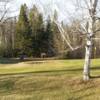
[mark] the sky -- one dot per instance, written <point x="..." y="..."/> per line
<point x="19" y="2"/>
<point x="63" y="8"/>
<point x="16" y="4"/>
<point x="66" y="8"/>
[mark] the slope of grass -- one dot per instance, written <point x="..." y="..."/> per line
<point x="48" y="80"/>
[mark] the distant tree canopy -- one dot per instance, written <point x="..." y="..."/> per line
<point x="23" y="32"/>
<point x="35" y="36"/>
<point x="32" y="35"/>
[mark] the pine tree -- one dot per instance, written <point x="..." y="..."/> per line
<point x="37" y="27"/>
<point x="23" y="32"/>
<point x="49" y="38"/>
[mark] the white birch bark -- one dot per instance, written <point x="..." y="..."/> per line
<point x="91" y="21"/>
<point x="87" y="64"/>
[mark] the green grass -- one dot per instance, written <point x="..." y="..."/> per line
<point x="48" y="80"/>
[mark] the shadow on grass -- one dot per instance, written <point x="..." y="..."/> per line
<point x="51" y="71"/>
<point x="13" y="60"/>
<point x="84" y="96"/>
<point x="9" y="61"/>
<point x="44" y="72"/>
<point x="17" y="60"/>
<point x="95" y="68"/>
<point x="94" y="77"/>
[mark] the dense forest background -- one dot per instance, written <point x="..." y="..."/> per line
<point x="30" y="35"/>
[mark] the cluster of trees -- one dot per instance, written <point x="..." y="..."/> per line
<point x="29" y="34"/>
<point x="35" y="36"/>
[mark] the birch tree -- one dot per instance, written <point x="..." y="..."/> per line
<point x="90" y="18"/>
<point x="91" y="15"/>
<point x="88" y="9"/>
<point x="90" y="30"/>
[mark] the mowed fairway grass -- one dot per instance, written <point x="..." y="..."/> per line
<point x="48" y="80"/>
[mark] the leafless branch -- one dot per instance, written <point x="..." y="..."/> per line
<point x="62" y="32"/>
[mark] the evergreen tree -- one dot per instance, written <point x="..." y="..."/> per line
<point x="49" y="38"/>
<point x="37" y="27"/>
<point x="23" y="32"/>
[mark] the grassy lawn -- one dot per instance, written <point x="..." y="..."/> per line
<point x="48" y="80"/>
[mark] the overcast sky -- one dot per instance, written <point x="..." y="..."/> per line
<point x="65" y="8"/>
<point x="61" y="6"/>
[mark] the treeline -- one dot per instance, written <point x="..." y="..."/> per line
<point x="32" y="36"/>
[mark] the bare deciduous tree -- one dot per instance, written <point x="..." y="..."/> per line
<point x="5" y="18"/>
<point x="90" y="18"/>
<point x="88" y="10"/>
<point x="91" y="5"/>
<point x="89" y="28"/>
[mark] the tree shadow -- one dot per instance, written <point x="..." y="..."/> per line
<point x="83" y="96"/>
<point x="12" y="60"/>
<point x="44" y="72"/>
<point x="95" y="68"/>
<point x="55" y="71"/>
<point x="95" y="76"/>
<point x="18" y="60"/>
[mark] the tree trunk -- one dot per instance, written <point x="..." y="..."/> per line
<point x="90" y="34"/>
<point x="87" y="64"/>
